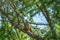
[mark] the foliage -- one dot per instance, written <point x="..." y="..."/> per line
<point x="14" y="12"/>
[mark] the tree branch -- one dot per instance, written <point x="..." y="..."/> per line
<point x="23" y="30"/>
<point x="46" y="14"/>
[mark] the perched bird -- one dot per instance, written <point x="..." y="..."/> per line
<point x="28" y="26"/>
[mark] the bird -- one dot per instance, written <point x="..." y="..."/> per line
<point x="28" y="26"/>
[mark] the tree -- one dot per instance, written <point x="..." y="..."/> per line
<point x="13" y="14"/>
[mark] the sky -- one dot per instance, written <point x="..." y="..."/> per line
<point x="40" y="18"/>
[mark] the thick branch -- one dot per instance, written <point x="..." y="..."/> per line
<point x="46" y="14"/>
